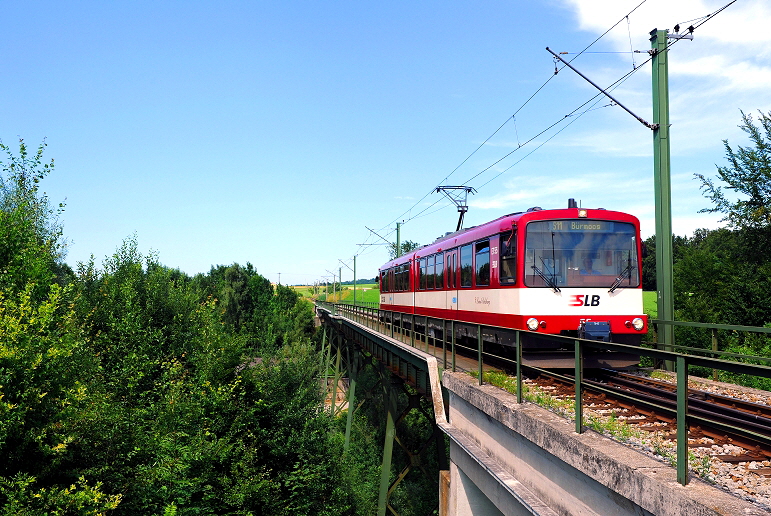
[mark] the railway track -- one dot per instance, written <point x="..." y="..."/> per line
<point x="650" y="405"/>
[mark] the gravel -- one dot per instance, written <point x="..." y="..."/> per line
<point x="750" y="481"/>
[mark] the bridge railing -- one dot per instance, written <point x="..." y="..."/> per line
<point x="715" y="339"/>
<point x="406" y="328"/>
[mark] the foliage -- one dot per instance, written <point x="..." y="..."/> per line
<point x="724" y="276"/>
<point x="755" y="345"/>
<point x="649" y="261"/>
<point x="417" y="494"/>
<point x="20" y="194"/>
<point x="190" y="418"/>
<point x="405" y="247"/>
<point x="31" y="244"/>
<point x="132" y="388"/>
<point x="22" y="499"/>
<point x="748" y="175"/>
<point x="267" y="315"/>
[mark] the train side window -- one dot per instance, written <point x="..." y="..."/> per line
<point x="508" y="257"/>
<point x="454" y="269"/>
<point x="404" y="283"/>
<point x="431" y="275"/>
<point x="450" y="279"/>
<point x="482" y="252"/>
<point x="440" y="270"/>
<point x="466" y="265"/>
<point x="423" y="274"/>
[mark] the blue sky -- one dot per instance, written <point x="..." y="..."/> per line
<point x="277" y="132"/>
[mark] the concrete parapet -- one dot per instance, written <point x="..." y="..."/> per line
<point x="570" y="473"/>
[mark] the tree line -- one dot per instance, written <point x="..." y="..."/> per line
<point x="723" y="275"/>
<point x="130" y="387"/>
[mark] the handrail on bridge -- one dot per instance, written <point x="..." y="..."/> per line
<point x="393" y="324"/>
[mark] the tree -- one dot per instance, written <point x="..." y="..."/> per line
<point x="406" y="247"/>
<point x="748" y="174"/>
<point x="44" y="360"/>
<point x="20" y="190"/>
<point x="31" y="244"/>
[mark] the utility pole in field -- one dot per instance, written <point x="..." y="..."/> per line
<point x="354" y="276"/>
<point x="398" y="239"/>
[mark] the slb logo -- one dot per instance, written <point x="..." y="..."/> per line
<point x="584" y="300"/>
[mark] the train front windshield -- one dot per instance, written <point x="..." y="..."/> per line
<point x="581" y="253"/>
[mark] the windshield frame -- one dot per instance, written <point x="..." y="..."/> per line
<point x="570" y="253"/>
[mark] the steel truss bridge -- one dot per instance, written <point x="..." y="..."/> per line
<point x="356" y="337"/>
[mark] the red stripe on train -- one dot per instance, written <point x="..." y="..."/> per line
<point x="554" y="323"/>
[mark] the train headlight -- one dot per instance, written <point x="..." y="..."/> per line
<point x="638" y="323"/>
<point x="532" y="324"/>
<point x="582" y="213"/>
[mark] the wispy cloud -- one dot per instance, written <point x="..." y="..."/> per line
<point x="727" y="67"/>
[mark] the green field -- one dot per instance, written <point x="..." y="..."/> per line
<point x="366" y="292"/>
<point x="649" y="304"/>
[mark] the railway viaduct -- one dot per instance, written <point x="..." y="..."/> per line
<point x="506" y="457"/>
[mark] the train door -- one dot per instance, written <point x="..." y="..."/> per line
<point x="451" y="279"/>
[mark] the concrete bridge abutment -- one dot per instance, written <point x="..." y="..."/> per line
<point x="517" y="459"/>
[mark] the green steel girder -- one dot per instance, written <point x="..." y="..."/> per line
<point x="405" y="366"/>
<point x="408" y="364"/>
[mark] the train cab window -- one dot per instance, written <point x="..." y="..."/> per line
<point x="439" y="271"/>
<point x="482" y="262"/>
<point x="466" y="265"/>
<point x="508" y="257"/>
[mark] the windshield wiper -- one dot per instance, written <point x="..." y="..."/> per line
<point x="625" y="273"/>
<point x="549" y="281"/>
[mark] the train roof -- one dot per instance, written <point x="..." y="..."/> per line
<point x="505" y="222"/>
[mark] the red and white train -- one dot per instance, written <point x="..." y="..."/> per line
<point x="572" y="272"/>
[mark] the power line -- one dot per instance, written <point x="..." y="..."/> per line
<point x="609" y="88"/>
<point x="563" y="119"/>
<point x="407" y="212"/>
